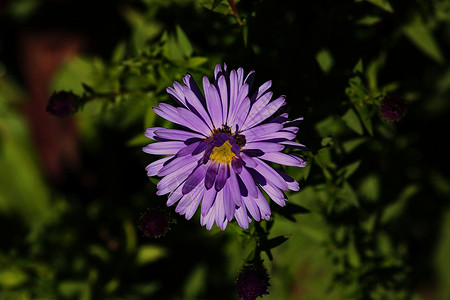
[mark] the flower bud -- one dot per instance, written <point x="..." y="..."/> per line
<point x="252" y="282"/>
<point x="392" y="108"/>
<point x="63" y="104"/>
<point x="154" y="222"/>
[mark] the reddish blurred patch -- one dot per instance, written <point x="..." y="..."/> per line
<point x="41" y="54"/>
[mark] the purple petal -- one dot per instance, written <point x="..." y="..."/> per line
<point x="163" y="148"/>
<point x="217" y="71"/>
<point x="175" y="196"/>
<point x="150" y="132"/>
<point x="192" y="99"/>
<point x="264" y="113"/>
<point x="292" y="184"/>
<point x="192" y="208"/>
<point x="190" y="82"/>
<point x="280" y="119"/>
<point x="258" y="106"/>
<point x="170" y="182"/>
<point x="176" y="93"/>
<point x="223" y="92"/>
<point x="242" y="113"/>
<point x="228" y="201"/>
<point x="153" y="168"/>
<point x="177" y="163"/>
<point x="295" y="145"/>
<point x="249" y="182"/>
<point x="194" y="179"/>
<point x="207" y="220"/>
<point x="208" y="200"/>
<point x="263" y="89"/>
<point x="193" y="122"/>
<point x="237" y="164"/>
<point x="271" y="175"/>
<point x="242" y="217"/>
<point x="240" y="76"/>
<point x="258" y="133"/>
<point x="213" y="103"/>
<point x="263" y="206"/>
<point x="278" y="136"/>
<point x="265" y="147"/>
<point x="295" y="122"/>
<point x="275" y="194"/>
<point x="176" y="134"/>
<point x="249" y="161"/>
<point x="284" y="159"/>
<point x="235" y="110"/>
<point x="252" y="208"/>
<point x="250" y="79"/>
<point x="169" y="113"/>
<point x="219" y="209"/>
<point x="211" y="174"/>
<point x="292" y="129"/>
<point x="222" y="177"/>
<point x="191" y="200"/>
<point x="235" y="192"/>
<point x="188" y="149"/>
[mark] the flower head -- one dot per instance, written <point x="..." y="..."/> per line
<point x="392" y="108"/>
<point x="63" y="104"/>
<point x="154" y="222"/>
<point x="252" y="282"/>
<point x="219" y="160"/>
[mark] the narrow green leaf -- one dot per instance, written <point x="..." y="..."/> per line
<point x="275" y="242"/>
<point x="420" y="34"/>
<point x="351" y="119"/>
<point x="183" y="41"/>
<point x="383" y="4"/>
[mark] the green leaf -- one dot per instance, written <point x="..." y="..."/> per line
<point x="365" y="113"/>
<point x="395" y="209"/>
<point x="195" y="61"/>
<point x="149" y="253"/>
<point x="358" y="67"/>
<point x="183" y="41"/>
<point x="275" y="242"/>
<point x="11" y="277"/>
<point x="348" y="170"/>
<point x="384" y="4"/>
<point x="325" y="60"/>
<point x="352" y="144"/>
<point x="420" y="34"/>
<point x="351" y="119"/>
<point x="323" y="158"/>
<point x="369" y="188"/>
<point x="348" y="194"/>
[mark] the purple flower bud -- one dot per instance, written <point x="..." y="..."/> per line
<point x="154" y="222"/>
<point x="392" y="108"/>
<point x="63" y="104"/>
<point x="252" y="282"/>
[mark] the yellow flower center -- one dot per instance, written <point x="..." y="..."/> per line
<point x="222" y="154"/>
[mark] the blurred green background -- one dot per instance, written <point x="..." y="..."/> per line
<point x="372" y="218"/>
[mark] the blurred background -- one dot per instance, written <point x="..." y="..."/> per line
<point x="370" y="77"/>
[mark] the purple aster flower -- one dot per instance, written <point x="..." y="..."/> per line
<point x="219" y="159"/>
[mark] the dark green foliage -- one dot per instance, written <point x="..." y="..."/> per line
<point x="371" y="220"/>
